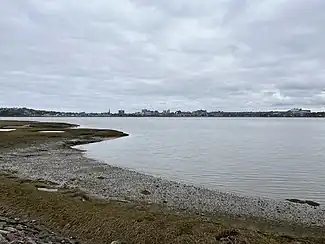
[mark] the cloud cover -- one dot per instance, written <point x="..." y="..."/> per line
<point x="187" y="54"/>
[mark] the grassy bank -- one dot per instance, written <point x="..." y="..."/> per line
<point x="91" y="220"/>
<point x="73" y="213"/>
<point x="28" y="133"/>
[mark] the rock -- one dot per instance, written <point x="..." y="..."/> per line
<point x="30" y="241"/>
<point x="20" y="227"/>
<point x="145" y="192"/>
<point x="231" y="240"/>
<point x="118" y="242"/>
<point x="308" y="202"/>
<point x="312" y="203"/>
<point x="230" y="237"/>
<point x="11" y="237"/>
<point x="11" y="229"/>
<point x="3" y="240"/>
<point x="4" y="232"/>
<point x="2" y="224"/>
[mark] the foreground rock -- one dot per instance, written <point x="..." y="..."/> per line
<point x="308" y="202"/>
<point x="15" y="231"/>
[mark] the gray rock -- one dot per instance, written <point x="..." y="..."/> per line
<point x="118" y="242"/>
<point x="3" y="232"/>
<point x="25" y="232"/>
<point x="3" y="240"/>
<point x="11" y="229"/>
<point x="17" y="242"/>
<point x="30" y="241"/>
<point x="11" y="237"/>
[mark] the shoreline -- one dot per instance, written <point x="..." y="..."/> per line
<point x="69" y="167"/>
<point x="99" y="203"/>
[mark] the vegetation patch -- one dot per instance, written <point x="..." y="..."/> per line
<point x="74" y="213"/>
<point x="26" y="133"/>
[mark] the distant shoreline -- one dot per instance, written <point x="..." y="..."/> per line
<point x="26" y="112"/>
<point x="176" y="117"/>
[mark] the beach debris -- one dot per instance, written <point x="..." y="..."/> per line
<point x="7" y="130"/>
<point x="47" y="189"/>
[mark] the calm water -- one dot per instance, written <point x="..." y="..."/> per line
<point x="278" y="158"/>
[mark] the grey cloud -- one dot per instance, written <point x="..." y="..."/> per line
<point x="187" y="54"/>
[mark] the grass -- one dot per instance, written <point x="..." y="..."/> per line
<point x="74" y="213"/>
<point x="28" y="133"/>
<point x="13" y="124"/>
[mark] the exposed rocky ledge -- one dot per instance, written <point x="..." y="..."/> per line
<point x="15" y="231"/>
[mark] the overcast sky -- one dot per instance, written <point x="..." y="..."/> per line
<point x="97" y="55"/>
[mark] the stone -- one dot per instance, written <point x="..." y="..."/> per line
<point x="308" y="202"/>
<point x="11" y="229"/>
<point x="20" y="227"/>
<point x="11" y="237"/>
<point x="30" y="241"/>
<point x="145" y="192"/>
<point x="118" y="242"/>
<point x="3" y="240"/>
<point x="4" y="232"/>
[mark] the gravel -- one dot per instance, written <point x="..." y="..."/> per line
<point x="69" y="167"/>
<point x="14" y="231"/>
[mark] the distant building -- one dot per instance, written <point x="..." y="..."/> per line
<point x="200" y="113"/>
<point x="121" y="112"/>
<point x="299" y="112"/>
<point x="166" y="112"/>
<point x="146" y="112"/>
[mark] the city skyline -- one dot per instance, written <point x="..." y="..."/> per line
<point x="26" y="112"/>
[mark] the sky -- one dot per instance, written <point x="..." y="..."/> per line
<point x="230" y="55"/>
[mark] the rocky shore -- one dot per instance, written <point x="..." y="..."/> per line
<point x="67" y="167"/>
<point x="16" y="231"/>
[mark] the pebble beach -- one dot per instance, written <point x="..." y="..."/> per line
<point x="68" y="167"/>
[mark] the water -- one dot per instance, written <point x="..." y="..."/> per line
<point x="277" y="158"/>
